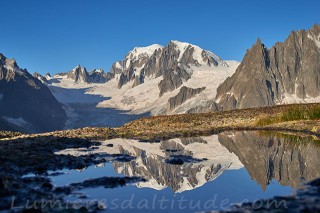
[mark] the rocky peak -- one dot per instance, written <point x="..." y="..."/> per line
<point x="288" y="72"/>
<point x="47" y="76"/>
<point x="79" y="75"/>
<point x="174" y="62"/>
<point x="9" y="68"/>
<point x="314" y="34"/>
<point x="193" y="54"/>
<point x="40" y="77"/>
<point x="139" y="52"/>
<point x="97" y="76"/>
<point x="132" y="68"/>
<point x="26" y="103"/>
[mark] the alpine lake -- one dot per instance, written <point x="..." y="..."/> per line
<point x="198" y="174"/>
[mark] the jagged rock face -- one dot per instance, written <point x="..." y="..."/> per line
<point x="8" y="68"/>
<point x="25" y="103"/>
<point x="79" y="75"/>
<point x="289" y="71"/>
<point x="184" y="94"/>
<point x="268" y="157"/>
<point x="175" y="62"/>
<point x="97" y="76"/>
<point x="122" y="80"/>
<point x="173" y="79"/>
<point x="172" y="62"/>
<point x="207" y="106"/>
<point x="133" y="66"/>
<point x="40" y="77"/>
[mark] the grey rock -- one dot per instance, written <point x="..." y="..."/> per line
<point x="207" y="106"/>
<point x="132" y="67"/>
<point x="171" y="62"/>
<point x="173" y="79"/>
<point x="114" y="70"/>
<point x="25" y="98"/>
<point x="122" y="80"/>
<point x="98" y="76"/>
<point x="79" y="75"/>
<point x="265" y="76"/>
<point x="184" y="94"/>
<point x="138" y="80"/>
<point x="40" y="77"/>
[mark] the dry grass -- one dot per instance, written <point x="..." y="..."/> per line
<point x="208" y="123"/>
<point x="298" y="117"/>
<point x="8" y="134"/>
<point x="294" y="113"/>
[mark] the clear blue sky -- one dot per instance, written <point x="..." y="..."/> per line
<point x="56" y="35"/>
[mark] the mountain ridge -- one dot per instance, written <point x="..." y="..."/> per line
<point x="288" y="72"/>
<point x="26" y="104"/>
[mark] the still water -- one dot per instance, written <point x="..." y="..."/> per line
<point x="196" y="174"/>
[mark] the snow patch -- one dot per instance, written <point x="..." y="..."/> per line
<point x="138" y="52"/>
<point x="153" y="184"/>
<point x="118" y="65"/>
<point x="17" y="121"/>
<point x="293" y="98"/>
<point x="197" y="54"/>
<point x="48" y="77"/>
<point x="181" y="47"/>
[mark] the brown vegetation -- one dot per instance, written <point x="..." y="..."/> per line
<point x="296" y="118"/>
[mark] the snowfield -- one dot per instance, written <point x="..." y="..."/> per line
<point x="105" y="105"/>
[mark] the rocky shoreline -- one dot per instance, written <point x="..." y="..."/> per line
<point x="25" y="154"/>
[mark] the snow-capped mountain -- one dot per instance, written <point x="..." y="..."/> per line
<point x="173" y="62"/>
<point x="25" y="103"/>
<point x="184" y="78"/>
<point x="184" y="73"/>
<point x="153" y="80"/>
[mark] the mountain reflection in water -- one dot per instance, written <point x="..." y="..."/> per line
<point x="266" y="156"/>
<point x="198" y="160"/>
<point x="237" y="166"/>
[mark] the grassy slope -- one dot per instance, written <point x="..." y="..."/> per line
<point x="284" y="118"/>
<point x="208" y="123"/>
